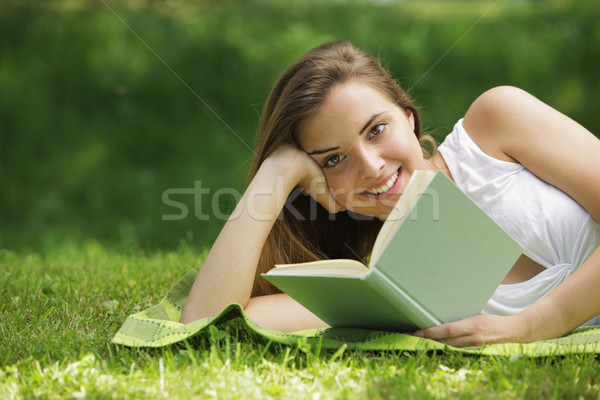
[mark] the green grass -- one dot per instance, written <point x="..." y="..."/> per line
<point x="59" y="310"/>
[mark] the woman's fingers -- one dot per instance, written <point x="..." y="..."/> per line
<point x="315" y="185"/>
<point x="309" y="175"/>
<point x="478" y="330"/>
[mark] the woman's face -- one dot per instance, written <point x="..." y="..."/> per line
<point x="365" y="145"/>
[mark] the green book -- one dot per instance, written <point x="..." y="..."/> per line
<point x="438" y="258"/>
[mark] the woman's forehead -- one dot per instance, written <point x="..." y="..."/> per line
<point x="346" y="108"/>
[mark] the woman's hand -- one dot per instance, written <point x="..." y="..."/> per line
<point x="229" y="270"/>
<point x="479" y="330"/>
<point x="310" y="177"/>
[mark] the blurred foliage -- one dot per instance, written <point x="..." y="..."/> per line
<point x="105" y="105"/>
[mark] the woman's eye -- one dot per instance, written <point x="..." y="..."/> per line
<point x="333" y="160"/>
<point x="377" y="130"/>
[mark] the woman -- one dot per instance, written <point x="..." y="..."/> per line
<point x="337" y="128"/>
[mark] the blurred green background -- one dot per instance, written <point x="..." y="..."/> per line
<point x="105" y="105"/>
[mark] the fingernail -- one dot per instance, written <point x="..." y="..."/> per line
<point x="419" y="333"/>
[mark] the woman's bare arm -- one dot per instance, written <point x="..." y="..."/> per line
<point x="227" y="274"/>
<point x="282" y="313"/>
<point x="511" y="124"/>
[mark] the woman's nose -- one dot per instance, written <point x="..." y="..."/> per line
<point x="371" y="164"/>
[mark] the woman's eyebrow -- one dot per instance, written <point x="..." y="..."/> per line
<point x="323" y="151"/>
<point x="370" y="121"/>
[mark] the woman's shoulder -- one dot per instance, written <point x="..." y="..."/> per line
<point x="489" y="117"/>
<point x="510" y="124"/>
<point x="494" y="101"/>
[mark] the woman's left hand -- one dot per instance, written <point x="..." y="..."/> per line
<point x="479" y="330"/>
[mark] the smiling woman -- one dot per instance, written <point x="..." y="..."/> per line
<point x="337" y="145"/>
<point x="364" y="163"/>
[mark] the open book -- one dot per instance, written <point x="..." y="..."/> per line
<point x="437" y="258"/>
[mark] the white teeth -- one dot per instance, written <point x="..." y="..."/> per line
<point x="386" y="187"/>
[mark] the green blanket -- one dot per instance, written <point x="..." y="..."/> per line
<point x="158" y="326"/>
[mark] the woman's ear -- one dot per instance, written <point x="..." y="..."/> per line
<point x="411" y="118"/>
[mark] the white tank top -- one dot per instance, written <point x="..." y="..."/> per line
<point x="553" y="229"/>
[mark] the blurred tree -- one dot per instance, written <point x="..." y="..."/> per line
<point x="106" y="105"/>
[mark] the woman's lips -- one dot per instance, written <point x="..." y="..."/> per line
<point x="391" y="186"/>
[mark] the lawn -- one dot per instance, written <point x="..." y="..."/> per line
<point x="59" y="310"/>
<point x="96" y="129"/>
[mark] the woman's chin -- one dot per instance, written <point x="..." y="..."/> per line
<point x="379" y="212"/>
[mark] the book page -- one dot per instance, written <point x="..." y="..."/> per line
<point x="416" y="185"/>
<point x="341" y="267"/>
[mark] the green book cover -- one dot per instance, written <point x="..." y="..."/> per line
<point x="437" y="258"/>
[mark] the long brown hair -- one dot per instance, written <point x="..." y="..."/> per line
<point x="315" y="234"/>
